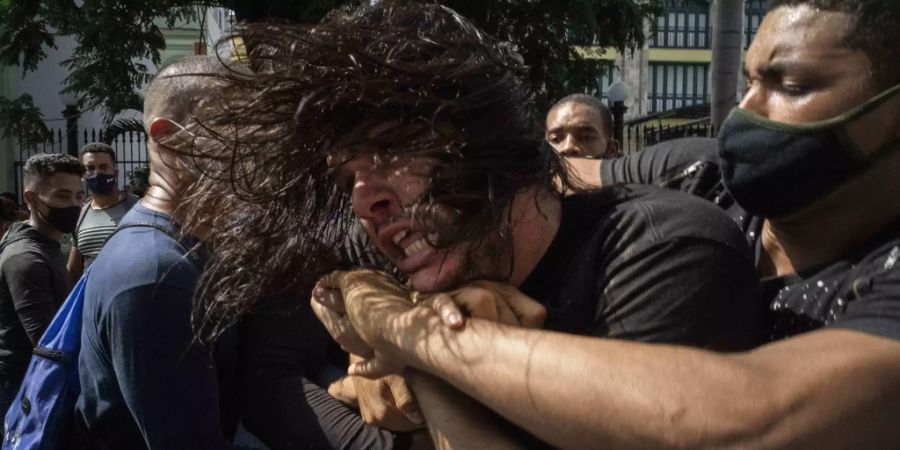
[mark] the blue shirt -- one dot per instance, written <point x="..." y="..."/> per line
<point x="145" y="382"/>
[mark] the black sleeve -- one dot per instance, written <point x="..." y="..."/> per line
<point x="659" y="163"/>
<point x="689" y="291"/>
<point x="281" y="353"/>
<point x="30" y="283"/>
<point x="875" y="307"/>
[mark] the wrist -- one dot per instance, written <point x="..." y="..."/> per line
<point x="405" y="335"/>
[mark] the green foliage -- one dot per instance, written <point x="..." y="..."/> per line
<point x="548" y="33"/>
<point x="308" y="11"/>
<point x="23" y="34"/>
<point x="22" y="119"/>
<point x="117" y="38"/>
<point x="114" y="39"/>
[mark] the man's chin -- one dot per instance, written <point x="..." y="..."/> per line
<point x="435" y="280"/>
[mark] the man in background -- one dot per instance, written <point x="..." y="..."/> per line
<point x="100" y="216"/>
<point x="580" y="125"/>
<point x="33" y="280"/>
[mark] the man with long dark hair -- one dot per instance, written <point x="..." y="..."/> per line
<point x="810" y="158"/>
<point x="419" y="121"/>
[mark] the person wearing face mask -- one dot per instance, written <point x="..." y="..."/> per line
<point x="33" y="280"/>
<point x="809" y="165"/>
<point x="100" y="216"/>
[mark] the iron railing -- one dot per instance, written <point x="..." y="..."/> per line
<point x="130" y="148"/>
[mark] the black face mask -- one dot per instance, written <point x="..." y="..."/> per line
<point x="101" y="183"/>
<point x="63" y="219"/>
<point x="773" y="169"/>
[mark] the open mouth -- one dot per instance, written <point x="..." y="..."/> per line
<point x="412" y="246"/>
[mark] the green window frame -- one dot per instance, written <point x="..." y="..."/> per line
<point x="675" y="85"/>
<point x="684" y="24"/>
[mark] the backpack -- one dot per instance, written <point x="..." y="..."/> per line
<point x="41" y="416"/>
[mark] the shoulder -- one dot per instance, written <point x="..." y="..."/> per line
<point x="655" y="164"/>
<point x="139" y="256"/>
<point x="23" y="258"/>
<point x="129" y="200"/>
<point x="651" y="215"/>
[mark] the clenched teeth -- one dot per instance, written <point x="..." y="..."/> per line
<point x="399" y="236"/>
<point x="415" y="247"/>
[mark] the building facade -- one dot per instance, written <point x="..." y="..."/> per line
<point x="673" y="69"/>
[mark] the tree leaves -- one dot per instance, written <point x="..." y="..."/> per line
<point x="20" y="118"/>
<point x="116" y="39"/>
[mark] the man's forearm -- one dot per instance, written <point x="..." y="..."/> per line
<point x="456" y="421"/>
<point x="74" y="266"/>
<point x="575" y="392"/>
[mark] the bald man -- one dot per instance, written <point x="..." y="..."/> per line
<point x="145" y="381"/>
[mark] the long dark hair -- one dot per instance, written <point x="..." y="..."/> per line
<point x="452" y="93"/>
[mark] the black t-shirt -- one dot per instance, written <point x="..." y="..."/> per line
<point x="649" y="264"/>
<point x="860" y="291"/>
<point x="33" y="285"/>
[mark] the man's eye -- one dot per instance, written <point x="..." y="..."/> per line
<point x="587" y="138"/>
<point x="795" y="88"/>
<point x="553" y="139"/>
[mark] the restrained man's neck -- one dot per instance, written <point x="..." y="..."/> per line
<point x="534" y="229"/>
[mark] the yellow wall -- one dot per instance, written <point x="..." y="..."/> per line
<point x="680" y="55"/>
<point x="654" y="54"/>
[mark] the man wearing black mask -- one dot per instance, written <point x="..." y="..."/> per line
<point x="33" y="281"/>
<point x="100" y="216"/>
<point x="810" y="158"/>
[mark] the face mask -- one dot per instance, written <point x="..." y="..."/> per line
<point x="63" y="219"/>
<point x="772" y="168"/>
<point x="101" y="183"/>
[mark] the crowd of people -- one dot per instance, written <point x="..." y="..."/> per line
<point x="360" y="236"/>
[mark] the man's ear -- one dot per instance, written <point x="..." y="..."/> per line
<point x="161" y="127"/>
<point x="29" y="197"/>
<point x="612" y="149"/>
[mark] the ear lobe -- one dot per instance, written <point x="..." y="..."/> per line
<point x="28" y="197"/>
<point x="612" y="148"/>
<point x="161" y="127"/>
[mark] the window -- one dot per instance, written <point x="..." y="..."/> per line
<point x="605" y="79"/>
<point x="685" y="24"/>
<point x="755" y="10"/>
<point x="674" y="85"/>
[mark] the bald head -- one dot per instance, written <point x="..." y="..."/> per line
<point x="177" y="88"/>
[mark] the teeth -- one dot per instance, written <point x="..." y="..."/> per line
<point x="399" y="236"/>
<point x="415" y="247"/>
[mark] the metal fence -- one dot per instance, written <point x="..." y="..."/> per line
<point x="130" y="148"/>
<point x="644" y="134"/>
